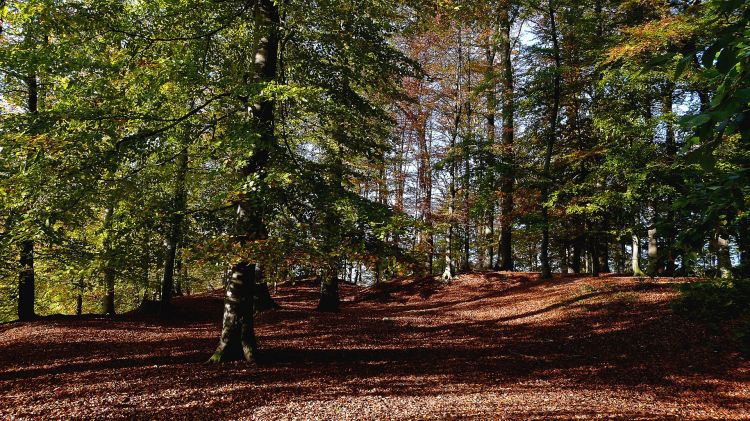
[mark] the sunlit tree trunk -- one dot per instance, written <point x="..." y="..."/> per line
<point x="448" y="272"/>
<point x="635" y="256"/>
<point x="425" y="188"/>
<point x="505" y="246"/>
<point x="722" y="254"/>
<point x="653" y="252"/>
<point x="237" y="334"/>
<point x="489" y="229"/>
<point x="237" y="340"/>
<point x="552" y="133"/>
<point x="671" y="151"/>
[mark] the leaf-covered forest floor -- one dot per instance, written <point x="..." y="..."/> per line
<point x="489" y="345"/>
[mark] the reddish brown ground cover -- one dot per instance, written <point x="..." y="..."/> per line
<point x="488" y="346"/>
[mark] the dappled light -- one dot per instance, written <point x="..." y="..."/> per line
<point x="485" y="345"/>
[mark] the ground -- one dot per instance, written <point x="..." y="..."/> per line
<point x="487" y="346"/>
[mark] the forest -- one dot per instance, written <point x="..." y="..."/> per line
<point x="291" y="184"/>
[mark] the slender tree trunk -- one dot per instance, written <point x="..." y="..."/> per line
<point x="489" y="156"/>
<point x="79" y="298"/>
<point x="505" y="246"/>
<point x="547" y="178"/>
<point x="603" y="247"/>
<point x="653" y="252"/>
<point x="237" y="335"/>
<point x="425" y="187"/>
<point x="109" y="270"/>
<point x="619" y="256"/>
<point x="564" y="258"/>
<point x="400" y="176"/>
<point x="26" y="279"/>
<point x="743" y="243"/>
<point x="635" y="257"/>
<point x="466" y="155"/>
<point x="26" y="282"/>
<point x="448" y="272"/>
<point x="723" y="256"/>
<point x="175" y="232"/>
<point x="592" y="241"/>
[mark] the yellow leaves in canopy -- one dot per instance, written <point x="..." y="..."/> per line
<point x="654" y="36"/>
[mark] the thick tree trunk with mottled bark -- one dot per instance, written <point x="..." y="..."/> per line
<point x="237" y="337"/>
<point x="237" y="340"/>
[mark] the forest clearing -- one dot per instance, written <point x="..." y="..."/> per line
<point x="489" y="345"/>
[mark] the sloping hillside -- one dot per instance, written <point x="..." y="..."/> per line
<point x="490" y="345"/>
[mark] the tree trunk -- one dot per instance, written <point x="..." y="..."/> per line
<point x="448" y="272"/>
<point x="547" y="178"/>
<point x="743" y="243"/>
<point x="671" y="151"/>
<point x="26" y="276"/>
<point x="576" y="263"/>
<point x="653" y="253"/>
<point x="109" y="270"/>
<point x="262" y="300"/>
<point x="505" y="246"/>
<point x="603" y="248"/>
<point x="329" y="292"/>
<point x="79" y="299"/>
<point x="619" y="256"/>
<point x="425" y="187"/>
<point x="489" y="158"/>
<point x="26" y="282"/>
<point x="466" y="155"/>
<point x="175" y="232"/>
<point x="635" y="257"/>
<point x="724" y="258"/>
<point x="593" y="248"/>
<point x="237" y="338"/>
<point x="564" y="258"/>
